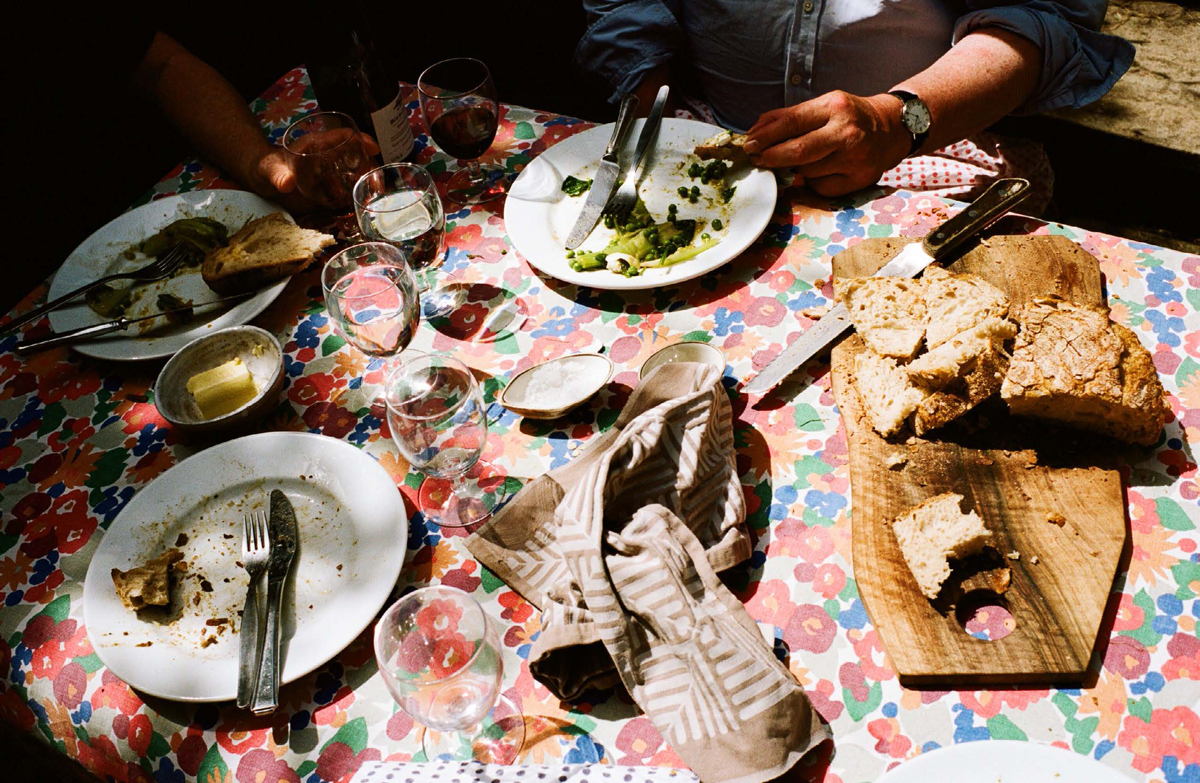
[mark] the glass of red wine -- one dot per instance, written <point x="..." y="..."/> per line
<point x="458" y="102"/>
<point x="326" y="153"/>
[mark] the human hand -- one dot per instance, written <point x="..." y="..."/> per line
<point x="269" y="175"/>
<point x="838" y="142"/>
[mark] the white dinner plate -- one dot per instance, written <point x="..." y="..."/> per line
<point x="352" y="531"/>
<point x="102" y="254"/>
<point x="1002" y="761"/>
<point x="539" y="216"/>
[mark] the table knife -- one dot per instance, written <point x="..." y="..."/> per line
<point x="108" y="327"/>
<point x="284" y="537"/>
<point x="1000" y="197"/>
<point x="605" y="181"/>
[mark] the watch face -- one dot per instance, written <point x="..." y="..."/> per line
<point x="916" y="116"/>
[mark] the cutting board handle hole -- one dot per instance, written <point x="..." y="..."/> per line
<point x="984" y="615"/>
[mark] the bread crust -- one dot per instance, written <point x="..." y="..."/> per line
<point x="246" y="262"/>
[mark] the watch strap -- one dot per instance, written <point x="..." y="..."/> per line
<point x="917" y="138"/>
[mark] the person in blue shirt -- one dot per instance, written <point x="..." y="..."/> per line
<point x="844" y="90"/>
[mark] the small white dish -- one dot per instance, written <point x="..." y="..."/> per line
<point x="259" y="351"/>
<point x="687" y="351"/>
<point x="597" y="370"/>
<point x="1003" y="761"/>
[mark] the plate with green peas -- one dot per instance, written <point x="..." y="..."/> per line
<point x="692" y="216"/>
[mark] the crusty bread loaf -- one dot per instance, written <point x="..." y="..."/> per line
<point x="267" y="249"/>
<point x="933" y="533"/>
<point x="888" y="396"/>
<point x="726" y="145"/>
<point x="1072" y="364"/>
<point x="979" y="377"/>
<point x="888" y="313"/>
<point x="955" y="303"/>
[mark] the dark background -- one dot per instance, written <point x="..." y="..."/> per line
<point x="81" y="147"/>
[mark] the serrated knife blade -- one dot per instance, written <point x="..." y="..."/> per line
<point x="993" y="203"/>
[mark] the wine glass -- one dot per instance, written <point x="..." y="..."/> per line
<point x="458" y="102"/>
<point x="399" y="204"/>
<point x="439" y="654"/>
<point x="325" y="152"/>
<point x="372" y="299"/>
<point x="437" y="417"/>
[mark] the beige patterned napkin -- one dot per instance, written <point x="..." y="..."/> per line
<point x="620" y="549"/>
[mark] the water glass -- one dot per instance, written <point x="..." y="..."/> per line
<point x="439" y="423"/>
<point x="439" y="655"/>
<point x="372" y="298"/>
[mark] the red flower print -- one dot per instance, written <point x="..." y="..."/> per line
<point x="638" y="740"/>
<point x="1173" y="732"/>
<point x="891" y="740"/>
<point x="141" y="414"/>
<point x="415" y="652"/>
<point x="988" y="704"/>
<point x="1127" y="657"/>
<point x="439" y="618"/>
<point x="1129" y="615"/>
<point x="331" y="419"/>
<point x="771" y="603"/>
<point x="1185" y="658"/>
<point x="239" y="741"/>
<point x="765" y="311"/>
<point x="68" y="521"/>
<point x="399" y="725"/>
<point x="70" y="684"/>
<point x="190" y="753"/>
<point x="15" y="712"/>
<point x="516" y="608"/>
<point x="261" y="766"/>
<point x="311" y="388"/>
<point x="140" y="734"/>
<point x="116" y="694"/>
<point x="450" y="654"/>
<point x="102" y="757"/>
<point x="811" y="628"/>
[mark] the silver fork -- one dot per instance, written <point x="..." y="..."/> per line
<point x="156" y="270"/>
<point x="256" y="552"/>
<point x="627" y="195"/>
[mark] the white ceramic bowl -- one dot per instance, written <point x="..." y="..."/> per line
<point x="259" y="351"/>
<point x="598" y="368"/>
<point x="688" y="351"/>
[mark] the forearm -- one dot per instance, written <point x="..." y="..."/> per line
<point x="980" y="80"/>
<point x="205" y="108"/>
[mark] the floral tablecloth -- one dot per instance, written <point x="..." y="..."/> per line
<point x="78" y="438"/>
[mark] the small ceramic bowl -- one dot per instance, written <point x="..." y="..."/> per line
<point x="259" y="351"/>
<point x="689" y="351"/>
<point x="597" y="369"/>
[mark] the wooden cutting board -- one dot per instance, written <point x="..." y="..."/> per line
<point x="1015" y="474"/>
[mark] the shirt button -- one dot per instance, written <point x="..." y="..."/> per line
<point x="808" y="6"/>
<point x="796" y="79"/>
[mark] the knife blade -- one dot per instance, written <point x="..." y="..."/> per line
<point x="1000" y="197"/>
<point x="284" y="539"/>
<point x="605" y="180"/>
<point x="118" y="325"/>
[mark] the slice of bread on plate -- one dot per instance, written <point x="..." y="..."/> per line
<point x="266" y="249"/>
<point x="935" y="532"/>
<point x="1072" y="364"/>
<point x="726" y="145"/>
<point x="888" y="313"/>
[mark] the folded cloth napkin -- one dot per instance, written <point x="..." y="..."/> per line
<point x="620" y="549"/>
<point x="475" y="772"/>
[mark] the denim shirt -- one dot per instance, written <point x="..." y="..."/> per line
<point x="745" y="57"/>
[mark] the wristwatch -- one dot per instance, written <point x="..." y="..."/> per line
<point x="916" y="118"/>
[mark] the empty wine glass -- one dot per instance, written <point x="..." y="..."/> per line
<point x="439" y="654"/>
<point x="325" y="152"/>
<point x="399" y="204"/>
<point x="437" y="418"/>
<point x="458" y="102"/>
<point x="372" y="299"/>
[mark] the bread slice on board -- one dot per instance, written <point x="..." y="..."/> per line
<point x="888" y="313"/>
<point x="955" y="303"/>
<point x="266" y="249"/>
<point x="1071" y="364"/>
<point x="933" y="533"/>
<point x="888" y="395"/>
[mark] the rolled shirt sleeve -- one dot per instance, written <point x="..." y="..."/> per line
<point x="626" y="39"/>
<point x="1079" y="63"/>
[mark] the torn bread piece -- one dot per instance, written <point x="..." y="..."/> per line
<point x="887" y="394"/>
<point x="888" y="313"/>
<point x="264" y="250"/>
<point x="981" y="376"/>
<point x="726" y="145"/>
<point x="935" y="532"/>
<point x="953" y="358"/>
<point x="955" y="303"/>
<point x="1073" y="365"/>
<point x="148" y="584"/>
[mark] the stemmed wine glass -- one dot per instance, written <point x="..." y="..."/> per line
<point x="439" y="655"/>
<point x="326" y="153"/>
<point x="437" y="417"/>
<point x="399" y="204"/>
<point x="458" y="102"/>
<point x="372" y="299"/>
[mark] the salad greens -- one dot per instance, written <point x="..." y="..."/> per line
<point x="574" y="186"/>
<point x="642" y="244"/>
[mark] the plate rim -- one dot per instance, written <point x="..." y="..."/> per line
<point x="603" y="132"/>
<point x="948" y="754"/>
<point x="287" y="677"/>
<point x="256" y="304"/>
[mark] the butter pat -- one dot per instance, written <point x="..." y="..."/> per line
<point x="222" y="389"/>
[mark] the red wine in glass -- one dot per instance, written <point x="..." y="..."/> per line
<point x="465" y="132"/>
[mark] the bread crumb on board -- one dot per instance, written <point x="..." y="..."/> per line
<point x="815" y="313"/>
<point x="1056" y="518"/>
<point x="896" y="461"/>
<point x="1014" y="555"/>
<point x="1034" y="559"/>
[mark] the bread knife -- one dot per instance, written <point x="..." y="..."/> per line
<point x="999" y="198"/>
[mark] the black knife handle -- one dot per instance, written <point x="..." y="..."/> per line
<point x="1000" y="197"/>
